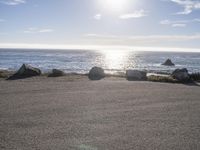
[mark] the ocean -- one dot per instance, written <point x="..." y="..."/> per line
<point x="81" y="61"/>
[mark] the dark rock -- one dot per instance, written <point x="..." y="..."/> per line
<point x="195" y="76"/>
<point x="25" y="71"/>
<point x="56" y="73"/>
<point x="168" y="62"/>
<point x="181" y="74"/>
<point x="96" y="73"/>
<point x="136" y="75"/>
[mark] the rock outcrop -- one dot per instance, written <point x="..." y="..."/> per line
<point x="96" y="73"/>
<point x="168" y="62"/>
<point x="25" y="71"/>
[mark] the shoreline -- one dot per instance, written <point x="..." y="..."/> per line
<point x="151" y="77"/>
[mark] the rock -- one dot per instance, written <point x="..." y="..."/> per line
<point x="136" y="75"/>
<point x="56" y="73"/>
<point x="25" y="71"/>
<point x="96" y="73"/>
<point x="168" y="62"/>
<point x="195" y="76"/>
<point x="5" y="73"/>
<point x="181" y="74"/>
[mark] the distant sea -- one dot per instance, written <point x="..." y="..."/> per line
<point x="81" y="61"/>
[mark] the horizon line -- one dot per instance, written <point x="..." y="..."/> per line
<point x="95" y="47"/>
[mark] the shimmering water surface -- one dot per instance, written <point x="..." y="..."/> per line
<point x="81" y="61"/>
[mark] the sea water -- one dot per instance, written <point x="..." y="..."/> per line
<point x="81" y="61"/>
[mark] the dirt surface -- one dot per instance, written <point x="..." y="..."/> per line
<point x="77" y="114"/>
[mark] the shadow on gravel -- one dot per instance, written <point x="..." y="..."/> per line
<point x="192" y="83"/>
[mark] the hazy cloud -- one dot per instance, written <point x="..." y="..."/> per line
<point x="45" y="30"/>
<point x="188" y="5"/>
<point x="36" y="30"/>
<point x="197" y="20"/>
<point x="165" y="22"/>
<point x="135" y="14"/>
<point x="179" y="23"/>
<point x="97" y="16"/>
<point x="12" y="2"/>
<point x="141" y="40"/>
<point x="100" y="36"/>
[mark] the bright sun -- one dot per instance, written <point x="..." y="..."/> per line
<point x="113" y="5"/>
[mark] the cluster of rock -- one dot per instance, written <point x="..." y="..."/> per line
<point x="26" y="71"/>
<point x="178" y="74"/>
<point x="181" y="75"/>
<point x="97" y="73"/>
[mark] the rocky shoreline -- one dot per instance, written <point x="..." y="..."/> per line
<point x="97" y="73"/>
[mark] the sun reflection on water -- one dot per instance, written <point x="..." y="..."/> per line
<point x="116" y="60"/>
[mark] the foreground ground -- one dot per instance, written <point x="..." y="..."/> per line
<point x="111" y="114"/>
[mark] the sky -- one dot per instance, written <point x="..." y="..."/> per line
<point x="92" y="24"/>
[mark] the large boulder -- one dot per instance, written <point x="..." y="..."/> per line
<point x="181" y="74"/>
<point x="25" y="71"/>
<point x="136" y="75"/>
<point x="168" y="62"/>
<point x="96" y="73"/>
<point x="56" y="73"/>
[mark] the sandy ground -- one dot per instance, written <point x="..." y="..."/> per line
<point x="112" y="114"/>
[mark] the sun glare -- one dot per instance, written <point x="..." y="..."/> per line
<point x="113" y="5"/>
<point x="115" y="59"/>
